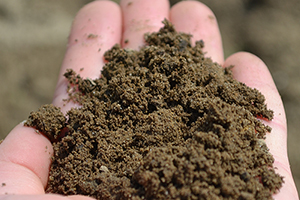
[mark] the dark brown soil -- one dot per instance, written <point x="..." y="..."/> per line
<point x="161" y="123"/>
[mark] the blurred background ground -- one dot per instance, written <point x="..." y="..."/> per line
<point x="33" y="36"/>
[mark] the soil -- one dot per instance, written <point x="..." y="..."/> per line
<point x="164" y="122"/>
<point x="33" y="41"/>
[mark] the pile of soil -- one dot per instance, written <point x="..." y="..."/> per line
<point x="164" y="122"/>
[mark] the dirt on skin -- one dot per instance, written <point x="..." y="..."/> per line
<point x="164" y="122"/>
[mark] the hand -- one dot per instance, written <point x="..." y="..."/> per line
<point x="25" y="154"/>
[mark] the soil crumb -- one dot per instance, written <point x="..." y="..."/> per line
<point x="164" y="122"/>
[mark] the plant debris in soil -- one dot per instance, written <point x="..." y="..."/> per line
<point x="164" y="122"/>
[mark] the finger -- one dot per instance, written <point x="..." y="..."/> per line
<point x="197" y="19"/>
<point x="96" y="28"/>
<point x="25" y="157"/>
<point x="252" y="71"/>
<point x="140" y="17"/>
<point x="44" y="197"/>
<point x="24" y="161"/>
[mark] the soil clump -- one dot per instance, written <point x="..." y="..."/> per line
<point x="164" y="122"/>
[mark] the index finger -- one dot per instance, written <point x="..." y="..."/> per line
<point x="96" y="28"/>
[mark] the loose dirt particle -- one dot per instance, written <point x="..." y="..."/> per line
<point x="92" y="36"/>
<point x="164" y="122"/>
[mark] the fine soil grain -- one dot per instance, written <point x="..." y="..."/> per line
<point x="164" y="122"/>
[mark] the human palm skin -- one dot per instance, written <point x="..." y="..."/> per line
<point x="24" y="162"/>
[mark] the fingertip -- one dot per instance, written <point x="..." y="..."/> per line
<point x="251" y="70"/>
<point x="95" y="29"/>
<point x="197" y="19"/>
<point x="140" y="17"/>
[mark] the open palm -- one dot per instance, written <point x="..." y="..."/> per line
<point x="25" y="154"/>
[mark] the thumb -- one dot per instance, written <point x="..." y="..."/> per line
<point x="44" y="197"/>
<point x="24" y="161"/>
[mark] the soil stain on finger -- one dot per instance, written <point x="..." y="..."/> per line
<point x="164" y="122"/>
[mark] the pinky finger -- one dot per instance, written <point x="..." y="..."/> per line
<point x="252" y="71"/>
